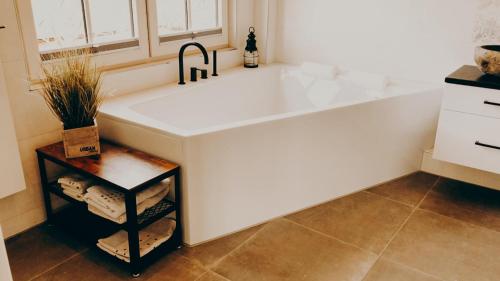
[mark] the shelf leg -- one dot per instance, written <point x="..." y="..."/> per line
<point x="178" y="204"/>
<point x="45" y="189"/>
<point x="133" y="233"/>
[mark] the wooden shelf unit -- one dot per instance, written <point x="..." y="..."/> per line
<point x="128" y="171"/>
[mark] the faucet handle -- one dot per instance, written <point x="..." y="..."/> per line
<point x="204" y="73"/>
<point x="214" y="63"/>
<point x="194" y="74"/>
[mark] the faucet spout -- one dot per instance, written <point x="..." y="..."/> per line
<point x="181" y="58"/>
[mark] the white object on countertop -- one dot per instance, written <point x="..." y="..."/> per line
<point x="5" y="274"/>
<point x="317" y="70"/>
<point x="149" y="238"/>
<point x="370" y="81"/>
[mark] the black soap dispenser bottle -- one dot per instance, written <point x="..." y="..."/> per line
<point x="251" y="56"/>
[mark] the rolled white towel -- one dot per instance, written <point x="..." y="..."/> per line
<point x="150" y="238"/>
<point x="323" y="92"/>
<point x="75" y="181"/>
<point x="370" y="81"/>
<point x="318" y="70"/>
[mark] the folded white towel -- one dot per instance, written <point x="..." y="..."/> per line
<point x="72" y="189"/>
<point x="153" y="190"/>
<point x="119" y="220"/>
<point x="370" y="81"/>
<point x="75" y="195"/>
<point x="97" y="209"/>
<point x="149" y="238"/>
<point x="114" y="201"/>
<point x="75" y="180"/>
<point x="111" y="201"/>
<point x="317" y="70"/>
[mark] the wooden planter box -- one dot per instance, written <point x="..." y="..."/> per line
<point x="81" y="142"/>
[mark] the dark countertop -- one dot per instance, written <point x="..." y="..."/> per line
<point x="470" y="75"/>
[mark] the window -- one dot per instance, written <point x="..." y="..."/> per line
<point x="177" y="21"/>
<point x="119" y="31"/>
<point x="186" y="17"/>
<point x="83" y="23"/>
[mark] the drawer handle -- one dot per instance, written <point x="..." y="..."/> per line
<point x="487" y="145"/>
<point x="491" y="103"/>
<point x="2" y="26"/>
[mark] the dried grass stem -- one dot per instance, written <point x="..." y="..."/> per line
<point x="72" y="88"/>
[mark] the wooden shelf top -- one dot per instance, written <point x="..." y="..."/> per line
<point x="117" y="165"/>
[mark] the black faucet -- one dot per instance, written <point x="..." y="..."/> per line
<point x="181" y="59"/>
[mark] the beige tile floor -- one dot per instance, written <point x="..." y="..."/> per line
<point x="420" y="227"/>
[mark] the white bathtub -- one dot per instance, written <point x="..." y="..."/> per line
<point x="261" y="143"/>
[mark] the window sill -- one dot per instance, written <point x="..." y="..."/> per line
<point x="36" y="85"/>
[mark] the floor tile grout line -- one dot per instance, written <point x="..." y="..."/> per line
<point x="403" y="224"/>
<point x="418" y="207"/>
<point x="198" y="263"/>
<point x="58" y="264"/>
<point x="390" y="199"/>
<point x="223" y="277"/>
<point x="215" y="263"/>
<point x="212" y="272"/>
<point x="458" y="220"/>
<point x="415" y="269"/>
<point x="201" y="276"/>
<point x="329" y="236"/>
<point x="218" y="261"/>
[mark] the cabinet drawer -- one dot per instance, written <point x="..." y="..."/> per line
<point x="472" y="100"/>
<point x="468" y="140"/>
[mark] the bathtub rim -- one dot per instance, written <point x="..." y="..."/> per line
<point x="120" y="108"/>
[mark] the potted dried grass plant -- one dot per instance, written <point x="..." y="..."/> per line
<point x="72" y="90"/>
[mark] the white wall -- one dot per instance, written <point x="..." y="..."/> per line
<point x="33" y="124"/>
<point x="10" y="162"/>
<point x="418" y="39"/>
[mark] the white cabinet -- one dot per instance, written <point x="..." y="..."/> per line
<point x="469" y="128"/>
<point x="11" y="172"/>
<point x="472" y="100"/>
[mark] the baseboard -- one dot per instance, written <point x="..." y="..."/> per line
<point x="457" y="172"/>
<point x="23" y="222"/>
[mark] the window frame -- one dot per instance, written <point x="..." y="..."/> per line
<point x="149" y="46"/>
<point x="170" y="44"/>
